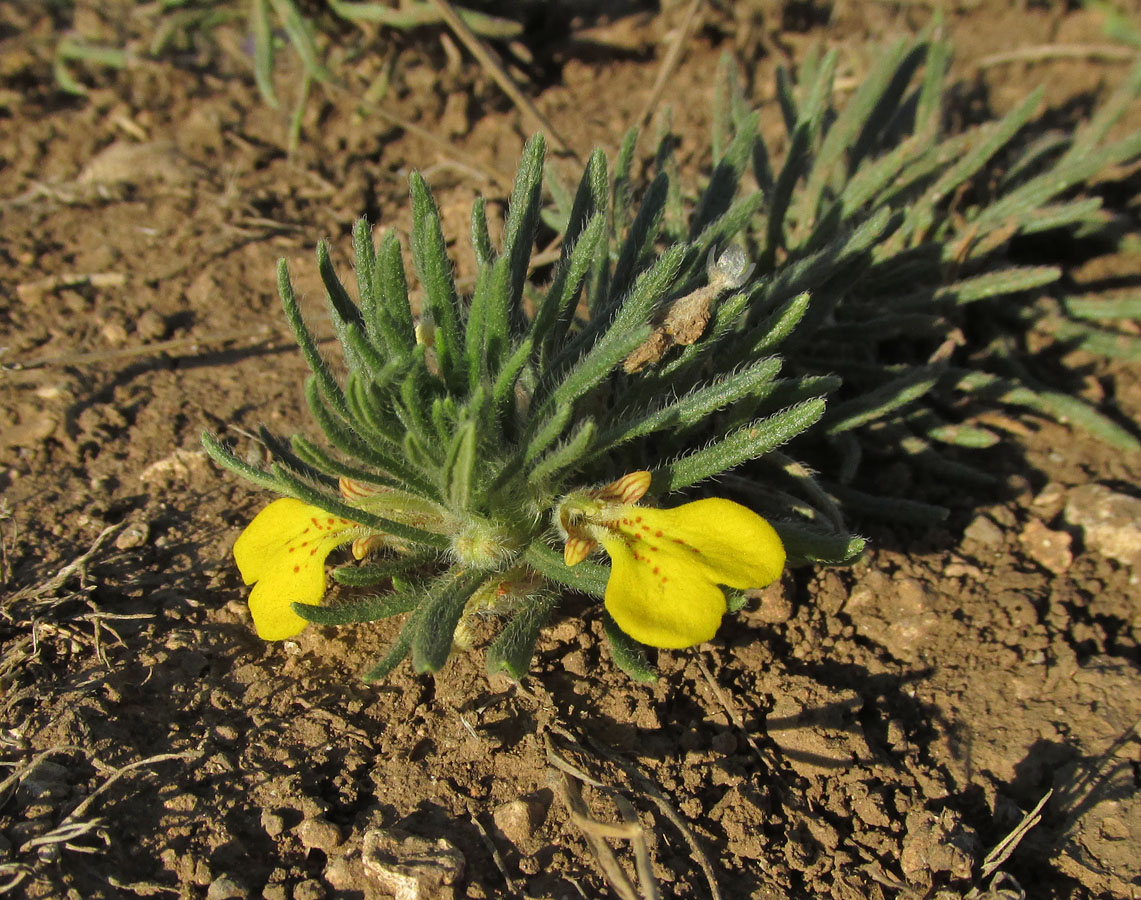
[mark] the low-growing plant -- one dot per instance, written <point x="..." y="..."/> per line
<point x="901" y="234"/>
<point x="640" y="401"/>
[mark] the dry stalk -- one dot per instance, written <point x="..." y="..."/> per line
<point x="670" y="62"/>
<point x="485" y="58"/>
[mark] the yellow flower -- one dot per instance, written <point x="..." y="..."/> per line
<point x="283" y="550"/>
<point x="666" y="564"/>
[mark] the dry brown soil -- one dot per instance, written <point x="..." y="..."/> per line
<point x="860" y="733"/>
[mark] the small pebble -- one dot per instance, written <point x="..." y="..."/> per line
<point x="134" y="535"/>
<point x="517" y="820"/>
<point x="150" y="326"/>
<point x="114" y="333"/>
<point x="775" y="607"/>
<point x="318" y="834"/>
<point x="272" y="823"/>
<point x="339" y="873"/>
<point x="1110" y="522"/>
<point x="983" y="531"/>
<point x="310" y="889"/>
<point x="1050" y="549"/>
<point x="224" y="887"/>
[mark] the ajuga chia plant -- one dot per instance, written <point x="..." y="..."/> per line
<point x="897" y="238"/>
<point x="482" y="449"/>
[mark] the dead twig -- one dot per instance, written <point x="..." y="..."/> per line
<point x="670" y="62"/>
<point x="31" y="291"/>
<point x="730" y="708"/>
<point x="1002" y="850"/>
<point x="496" y="856"/>
<point x="82" y="808"/>
<point x="651" y="790"/>
<point x="76" y="566"/>
<point x="1048" y="52"/>
<point x="485" y="58"/>
<point x="448" y="149"/>
<point x="612" y="871"/>
<point x="190" y="344"/>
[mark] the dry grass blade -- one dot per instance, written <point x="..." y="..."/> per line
<point x="16" y="873"/>
<point x="615" y="876"/>
<point x="22" y="772"/>
<point x="496" y="856"/>
<point x="476" y="47"/>
<point x="1044" y="52"/>
<point x="730" y="708"/>
<point x="651" y="790"/>
<point x="1007" y="845"/>
<point x="641" y="847"/>
<point x="670" y="62"/>
<point x="119" y="773"/>
<point x="76" y="566"/>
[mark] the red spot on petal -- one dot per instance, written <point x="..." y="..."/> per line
<point x="657" y="534"/>
<point x="296" y="570"/>
<point x="664" y="579"/>
<point x="313" y="552"/>
<point x="653" y="549"/>
<point x="645" y="527"/>
<point x="291" y="549"/>
<point x="637" y="518"/>
<point x="331" y="520"/>
<point x="656" y="570"/>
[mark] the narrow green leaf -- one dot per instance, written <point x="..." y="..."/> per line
<point x="371" y="573"/>
<point x="726" y="177"/>
<point x="480" y="236"/>
<point x="571" y="453"/>
<point x="628" y="654"/>
<point x="556" y="310"/>
<point x="895" y="510"/>
<point x="694" y="406"/>
<point x="393" y="288"/>
<point x="321" y="371"/>
<point x="1099" y="308"/>
<point x="395" y="655"/>
<point x="780" y="324"/>
<point x="263" y="50"/>
<point x="512" y="650"/>
<point x="805" y="544"/>
<point x="586" y="577"/>
<point x="750" y="442"/>
<point x="623" y="180"/>
<point x="430" y="257"/>
<point x="305" y="492"/>
<point x="224" y="456"/>
<point x="300" y="35"/>
<point x="876" y="404"/>
<point x="548" y="432"/>
<point x="432" y="641"/>
<point x="639" y="241"/>
<point x="366" y="609"/>
<point x="459" y="466"/>
<point x="319" y="459"/>
<point x="1000" y="283"/>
